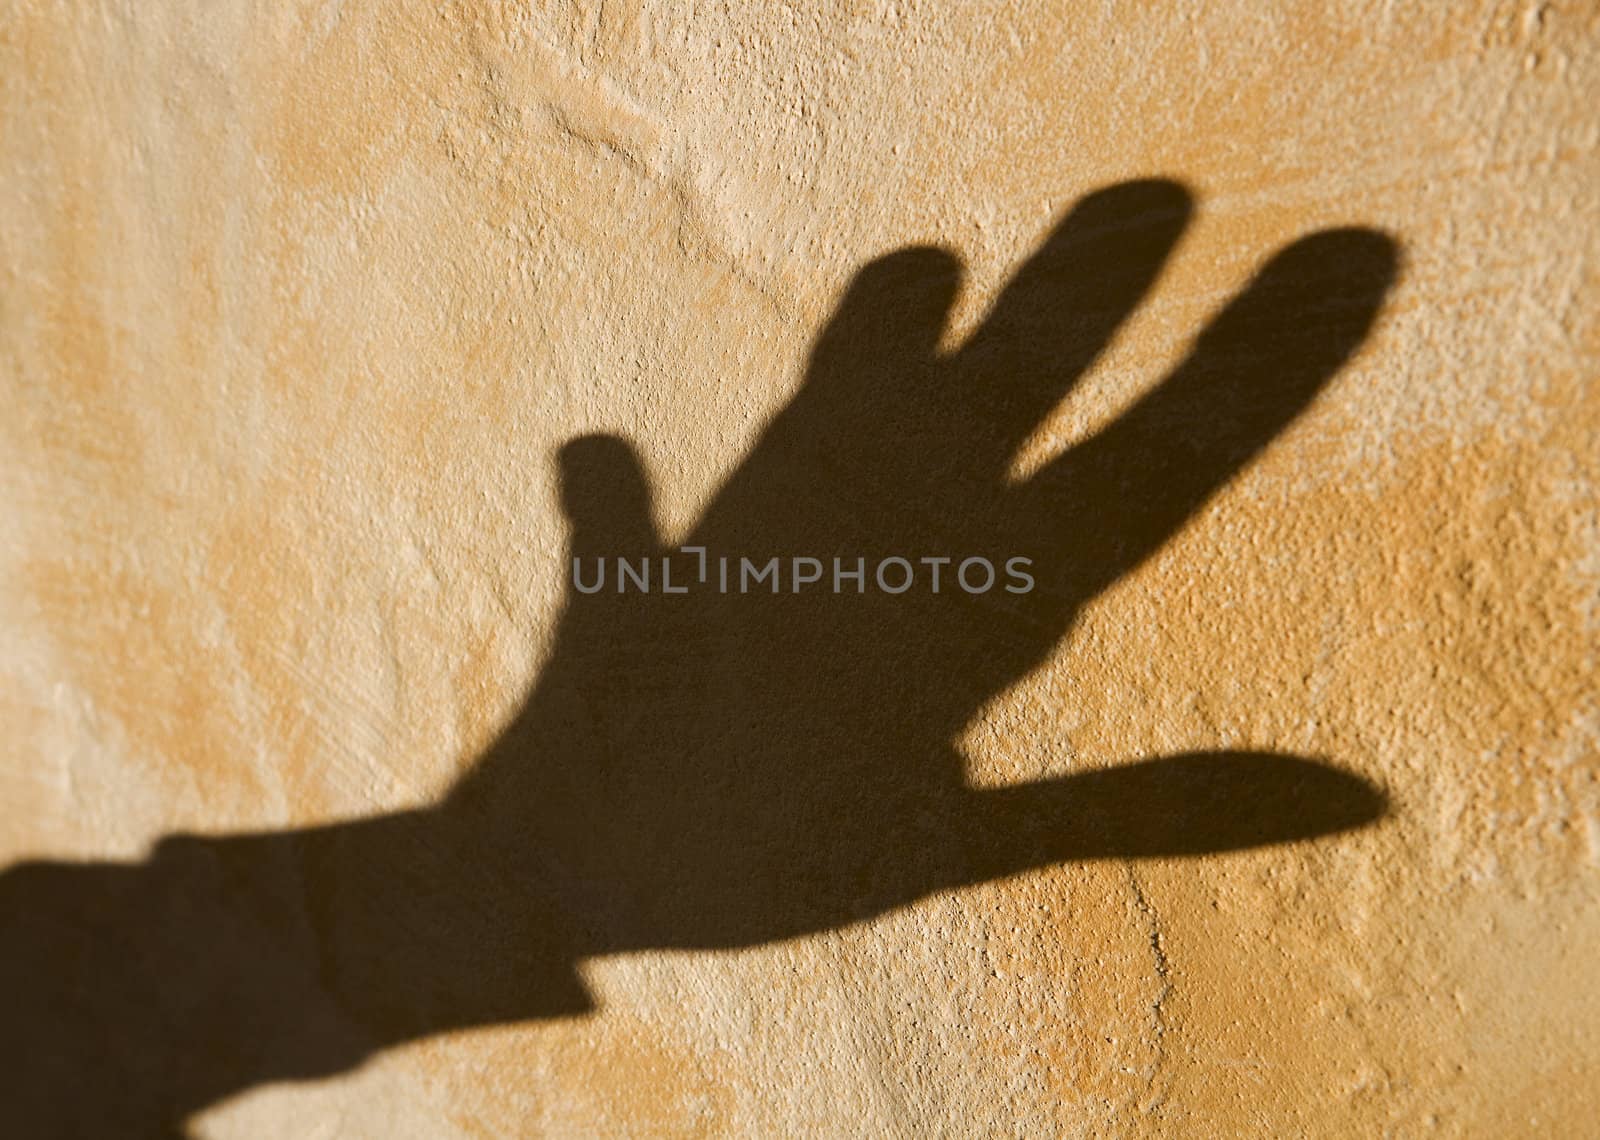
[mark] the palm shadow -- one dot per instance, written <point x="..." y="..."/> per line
<point x="714" y="770"/>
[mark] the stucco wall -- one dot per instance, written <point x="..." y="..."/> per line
<point x="299" y="304"/>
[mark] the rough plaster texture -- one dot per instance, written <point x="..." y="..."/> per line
<point x="299" y="302"/>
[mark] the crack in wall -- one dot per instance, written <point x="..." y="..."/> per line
<point x="1154" y="1096"/>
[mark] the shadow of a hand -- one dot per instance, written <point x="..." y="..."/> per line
<point x="716" y="769"/>
<point x="721" y="768"/>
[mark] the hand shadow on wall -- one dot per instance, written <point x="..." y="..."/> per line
<point x="709" y="770"/>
